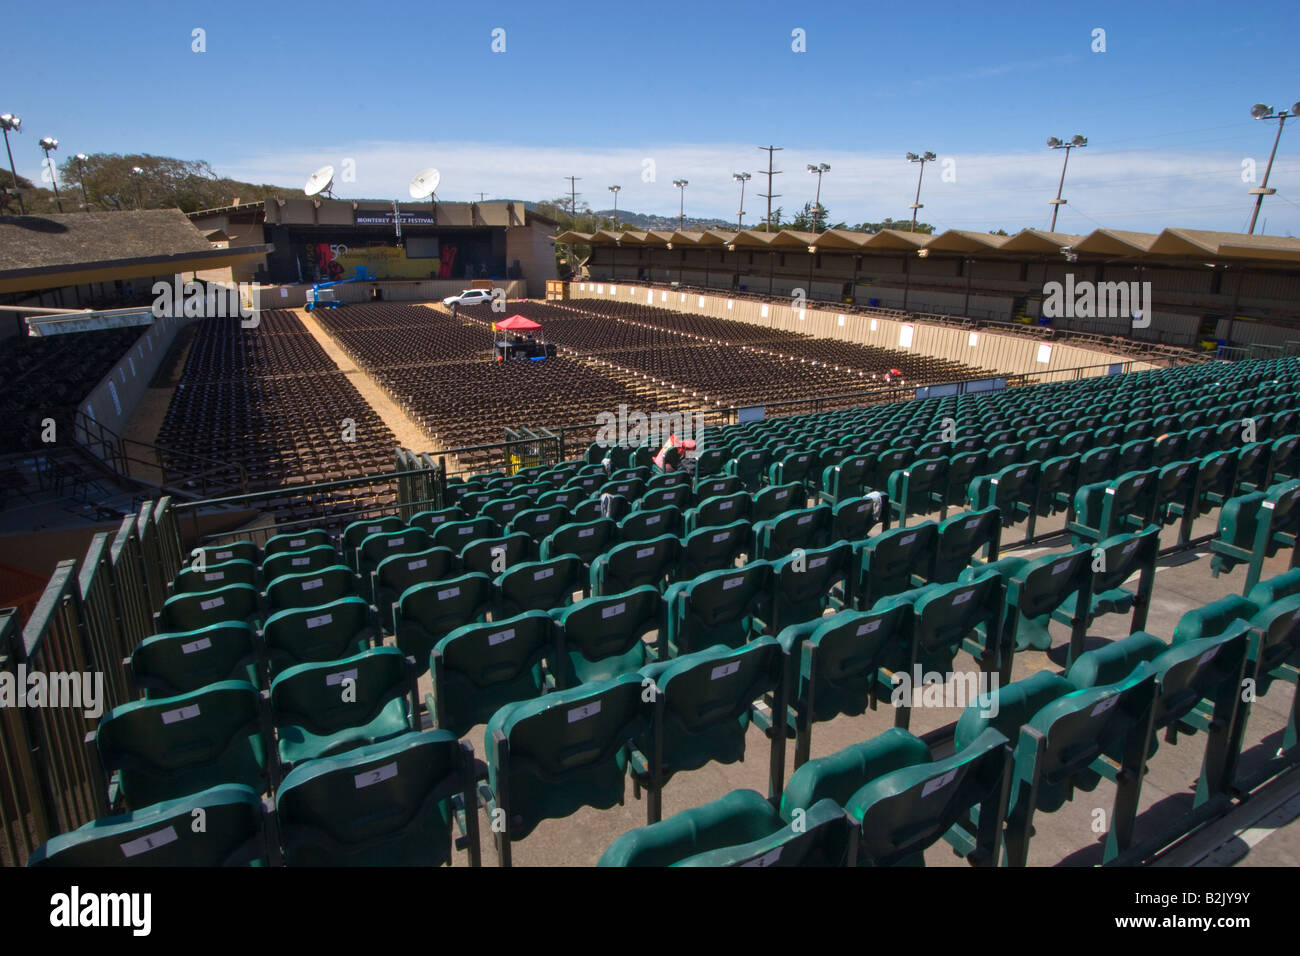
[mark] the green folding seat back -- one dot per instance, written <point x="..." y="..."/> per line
<point x="1135" y="455"/>
<point x="853" y="520"/>
<point x="1115" y="661"/>
<point x="740" y="829"/>
<point x="392" y="803"/>
<point x="396" y="573"/>
<point x="377" y="547"/>
<point x="715" y="486"/>
<point x="1284" y="460"/>
<point x="357" y="532"/>
<point x="492" y="556"/>
<point x="902" y="813"/>
<point x="1168" y="447"/>
<point x="676" y="479"/>
<point x="298" y="562"/>
<point x="628" y="488"/>
<point x="296" y="541"/>
<point x="604" y="636"/>
<point x="963" y="468"/>
<point x="231" y="551"/>
<point x="1057" y="479"/>
<point x="1175" y="492"/>
<point x="836" y="663"/>
<point x="799" y="528"/>
<point x="718" y="607"/>
<point x="946" y="614"/>
<point x="310" y="588"/>
<point x="636" y="564"/>
<point x="427" y="613"/>
<point x="845" y="479"/>
<point x="431" y="521"/>
<point x="1275" y="588"/>
<point x="842" y="774"/>
<point x="169" y="747"/>
<point x="325" y="632"/>
<point x="169" y="664"/>
<point x="479" y="668"/>
<point x="1252" y="466"/>
<point x="703" y="704"/>
<point x="641" y="525"/>
<point x="539" y="585"/>
<point x="676" y="496"/>
<point x="1098" y="464"/>
<point x="1217" y="477"/>
<point x="1005" y="455"/>
<point x="1254" y="526"/>
<point x="196" y="609"/>
<point x="585" y="485"/>
<point x="749" y="467"/>
<point x="794" y="467"/>
<point x="919" y="488"/>
<point x="1008" y="707"/>
<point x="457" y="534"/>
<point x="192" y="580"/>
<point x="1074" y="443"/>
<point x="551" y="756"/>
<point x="891" y="558"/>
<point x="323" y="709"/>
<point x="960" y="538"/>
<point x="710" y="461"/>
<point x="1277" y="650"/>
<point x="778" y="499"/>
<point x="713" y="549"/>
<point x="163" y="834"/>
<point x="504" y="509"/>
<point x="586" y="539"/>
<point x="1013" y="490"/>
<point x="719" y="510"/>
<point x="1125" y="503"/>
<point x="537" y="523"/>
<point x="564" y="497"/>
<point x="802" y="583"/>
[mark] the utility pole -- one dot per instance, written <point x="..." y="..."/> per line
<point x="573" y="195"/>
<point x="769" y="195"/>
<point x="482" y="196"/>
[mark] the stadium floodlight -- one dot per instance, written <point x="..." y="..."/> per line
<point x="136" y="173"/>
<point x="681" y="184"/>
<point x="1075" y="142"/>
<point x="81" y="173"/>
<point x="1260" y="111"/>
<point x="10" y="122"/>
<point x="614" y="190"/>
<point x="741" y="178"/>
<point x="49" y="144"/>
<point x="817" y="169"/>
<point x="926" y="157"/>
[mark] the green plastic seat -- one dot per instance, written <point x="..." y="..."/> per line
<point x="393" y="803"/>
<point x="191" y="580"/>
<point x="1013" y="490"/>
<point x="196" y="609"/>
<point x="231" y="551"/>
<point x="586" y="539"/>
<point x="325" y="632"/>
<point x="323" y="709"/>
<point x="539" y="585"/>
<point x="493" y="556"/>
<point x="715" y="486"/>
<point x="169" y="664"/>
<point x="794" y="467"/>
<point x="643" y="525"/>
<point x="837" y="663"/>
<point x="750" y="467"/>
<point x="298" y="562"/>
<point x="1097" y="464"/>
<point x="719" y="510"/>
<point x="604" y="636"/>
<point x="1275" y="588"/>
<point x="1255" y="526"/>
<point x="919" y="488"/>
<point x="1057" y="481"/>
<point x="457" y="534"/>
<point x="310" y="588"/>
<point x="548" y="757"/>
<point x="739" y="829"/>
<point x="169" y="747"/>
<point x="358" y="531"/>
<point x="853" y="520"/>
<point x="902" y="813"/>
<point x="504" y="510"/>
<point x="963" y="468"/>
<point x="960" y="537"/>
<point x="1253" y="466"/>
<point x="396" y="573"/>
<point x="798" y="528"/>
<point x="1125" y="503"/>
<point x="889" y="561"/>
<point x="376" y="547"/>
<point x="163" y="834"/>
<point x="718" y="607"/>
<point x="676" y="496"/>
<point x="845" y="479"/>
<point x="427" y="613"/>
<point x="537" y="523"/>
<point x="296" y="541"/>
<point x="802" y="584"/>
<point x="840" y="775"/>
<point x="714" y="549"/>
<point x="479" y="668"/>
<point x="431" y="521"/>
<point x="702" y="705"/>
<point x="635" y="564"/>
<point x="777" y="499"/>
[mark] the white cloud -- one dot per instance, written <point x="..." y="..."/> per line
<point x="1138" y="189"/>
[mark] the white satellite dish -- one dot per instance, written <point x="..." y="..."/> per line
<point x="320" y="181"/>
<point x="424" y="183"/>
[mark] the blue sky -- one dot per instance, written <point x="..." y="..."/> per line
<point x="596" y="90"/>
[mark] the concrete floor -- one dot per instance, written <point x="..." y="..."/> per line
<point x="1064" y="838"/>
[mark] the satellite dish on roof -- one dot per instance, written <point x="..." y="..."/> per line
<point x="320" y="181"/>
<point x="424" y="183"/>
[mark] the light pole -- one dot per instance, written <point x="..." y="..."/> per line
<point x="741" y="178"/>
<point x="681" y="211"/>
<point x="926" y="157"/>
<point x="10" y="122"/>
<point x="136" y="173"/>
<point x="81" y="172"/>
<point x="1262" y="112"/>
<point x="49" y="144"/>
<point x="1054" y="143"/>
<point x="614" y="190"/>
<point x="817" y="170"/>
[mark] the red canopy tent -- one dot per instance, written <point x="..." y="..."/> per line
<point x="517" y="323"/>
